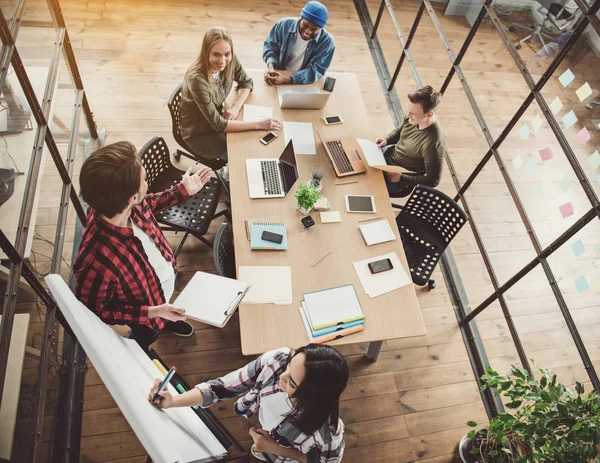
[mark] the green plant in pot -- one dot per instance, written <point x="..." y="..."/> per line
<point x="550" y="423"/>
<point x="306" y="197"/>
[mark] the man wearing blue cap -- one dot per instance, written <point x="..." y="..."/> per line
<point x="300" y="46"/>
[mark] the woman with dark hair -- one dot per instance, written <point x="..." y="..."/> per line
<point x="297" y="395"/>
<point x="208" y="81"/>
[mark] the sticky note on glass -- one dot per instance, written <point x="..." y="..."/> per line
<point x="583" y="136"/>
<point x="546" y="154"/>
<point x="537" y="123"/>
<point x="524" y="132"/>
<point x="517" y="162"/>
<point x="555" y="106"/>
<point x="569" y="119"/>
<point x="531" y="168"/>
<point x="578" y="248"/>
<point x="566" y="78"/>
<point x="584" y="91"/>
<point x="581" y="284"/>
<point x="565" y="184"/>
<point x="594" y="160"/>
<point x="566" y="210"/>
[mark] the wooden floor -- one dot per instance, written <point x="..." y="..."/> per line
<point x="411" y="405"/>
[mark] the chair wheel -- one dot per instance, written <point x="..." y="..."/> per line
<point x="518" y="46"/>
<point x="430" y="285"/>
<point x="512" y="28"/>
<point x="177" y="155"/>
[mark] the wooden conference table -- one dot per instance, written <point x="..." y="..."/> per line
<point x="265" y="327"/>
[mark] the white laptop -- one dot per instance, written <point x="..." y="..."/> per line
<point x="272" y="178"/>
<point x="301" y="97"/>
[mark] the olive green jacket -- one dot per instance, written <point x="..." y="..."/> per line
<point x="202" y="106"/>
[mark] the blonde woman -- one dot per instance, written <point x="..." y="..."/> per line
<point x="205" y="120"/>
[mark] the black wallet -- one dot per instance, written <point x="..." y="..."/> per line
<point x="329" y="84"/>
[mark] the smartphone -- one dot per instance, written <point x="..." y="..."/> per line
<point x="272" y="237"/>
<point x="380" y="266"/>
<point x="329" y="84"/>
<point x="268" y="138"/>
<point x="332" y="120"/>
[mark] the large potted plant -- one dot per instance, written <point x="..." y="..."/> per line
<point x="306" y="197"/>
<point x="550" y="424"/>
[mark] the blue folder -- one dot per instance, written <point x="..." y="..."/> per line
<point x="339" y="327"/>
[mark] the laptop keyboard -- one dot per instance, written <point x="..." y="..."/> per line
<point x="340" y="158"/>
<point x="270" y="175"/>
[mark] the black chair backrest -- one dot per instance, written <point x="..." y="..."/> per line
<point x="156" y="160"/>
<point x="427" y="223"/>
<point x="223" y="251"/>
<point x="174" y="105"/>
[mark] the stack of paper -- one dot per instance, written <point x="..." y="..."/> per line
<point x="384" y="282"/>
<point x="211" y="299"/>
<point x="330" y="334"/>
<point x="253" y="113"/>
<point x="302" y="135"/>
<point x="268" y="285"/>
<point x="377" y="232"/>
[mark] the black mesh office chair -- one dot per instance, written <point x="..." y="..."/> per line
<point x="196" y="214"/>
<point x="427" y="223"/>
<point x="223" y="251"/>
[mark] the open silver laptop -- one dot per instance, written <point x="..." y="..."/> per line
<point x="272" y="178"/>
<point x="297" y="97"/>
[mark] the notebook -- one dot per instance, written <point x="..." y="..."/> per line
<point x="332" y="306"/>
<point x="332" y="335"/>
<point x="268" y="285"/>
<point x="256" y="241"/>
<point x="377" y="232"/>
<point x="211" y="299"/>
<point x="331" y="329"/>
<point x="374" y="156"/>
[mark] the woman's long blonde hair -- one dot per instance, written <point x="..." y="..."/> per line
<point x="201" y="64"/>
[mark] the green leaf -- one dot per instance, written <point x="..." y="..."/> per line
<point x="577" y="427"/>
<point x="471" y="424"/>
<point x="545" y="396"/>
<point x="579" y="388"/>
<point x="505" y="442"/>
<point x="514" y="404"/>
<point x="474" y="451"/>
<point x="518" y="372"/>
<point x="506" y="418"/>
<point x="471" y="434"/>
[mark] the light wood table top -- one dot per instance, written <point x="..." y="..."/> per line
<point x="267" y="326"/>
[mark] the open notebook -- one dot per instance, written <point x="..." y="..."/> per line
<point x="211" y="299"/>
<point x="169" y="436"/>
<point x="332" y="306"/>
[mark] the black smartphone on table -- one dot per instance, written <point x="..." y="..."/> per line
<point x="272" y="237"/>
<point x="380" y="266"/>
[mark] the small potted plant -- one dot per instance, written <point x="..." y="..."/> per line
<point x="306" y="197"/>
<point x="550" y="424"/>
<point x="316" y="178"/>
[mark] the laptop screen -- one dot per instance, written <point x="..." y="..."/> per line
<point x="289" y="167"/>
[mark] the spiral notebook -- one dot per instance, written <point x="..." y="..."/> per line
<point x="256" y="241"/>
<point x="211" y="299"/>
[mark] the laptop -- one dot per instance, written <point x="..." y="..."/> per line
<point x="272" y="178"/>
<point x="344" y="155"/>
<point x="306" y="98"/>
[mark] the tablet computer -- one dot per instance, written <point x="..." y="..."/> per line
<point x="360" y="203"/>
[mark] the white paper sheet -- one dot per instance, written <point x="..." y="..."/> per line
<point x="373" y="154"/>
<point x="128" y="374"/>
<point x="268" y="285"/>
<point x="302" y="135"/>
<point x="377" y="232"/>
<point x="253" y="113"/>
<point x="332" y="306"/>
<point x="331" y="217"/>
<point x="384" y="282"/>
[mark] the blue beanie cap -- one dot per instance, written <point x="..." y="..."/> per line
<point x="315" y="12"/>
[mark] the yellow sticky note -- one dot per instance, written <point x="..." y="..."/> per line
<point x="584" y="91"/>
<point x="555" y="106"/>
<point x="537" y="123"/>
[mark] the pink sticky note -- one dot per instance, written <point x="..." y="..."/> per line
<point x="583" y="136"/>
<point x="567" y="210"/>
<point x="546" y="154"/>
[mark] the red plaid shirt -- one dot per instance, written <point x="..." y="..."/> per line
<point x="113" y="277"/>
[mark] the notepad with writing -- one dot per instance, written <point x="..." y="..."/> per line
<point x="332" y="306"/>
<point x="211" y="299"/>
<point x="377" y="232"/>
<point x="256" y="241"/>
